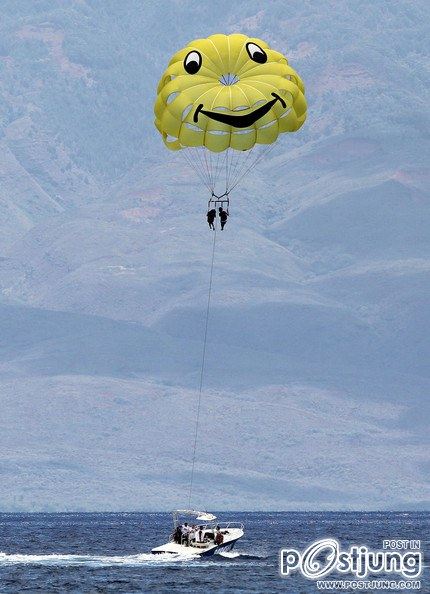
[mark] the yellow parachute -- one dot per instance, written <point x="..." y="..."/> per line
<point x="226" y="94"/>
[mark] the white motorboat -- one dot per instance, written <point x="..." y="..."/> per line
<point x="200" y="536"/>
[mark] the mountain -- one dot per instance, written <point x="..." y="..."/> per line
<point x="316" y="381"/>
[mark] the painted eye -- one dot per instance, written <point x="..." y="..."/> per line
<point x="256" y="53"/>
<point x="192" y="62"/>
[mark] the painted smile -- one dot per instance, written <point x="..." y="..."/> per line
<point x="239" y="121"/>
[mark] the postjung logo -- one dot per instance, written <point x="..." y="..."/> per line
<point x="325" y="556"/>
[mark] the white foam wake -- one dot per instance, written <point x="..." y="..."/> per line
<point x="229" y="554"/>
<point x="91" y="560"/>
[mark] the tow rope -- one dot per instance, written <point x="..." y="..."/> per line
<point x="202" y="369"/>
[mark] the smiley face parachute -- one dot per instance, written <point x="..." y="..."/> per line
<point x="220" y="99"/>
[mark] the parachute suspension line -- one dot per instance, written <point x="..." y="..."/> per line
<point x="196" y="159"/>
<point x="234" y="161"/>
<point x="262" y="154"/>
<point x="216" y="170"/>
<point x="231" y="164"/>
<point x="209" y="154"/>
<point x="209" y="169"/>
<point x="201" y="155"/>
<point x="218" y="167"/>
<point x="202" y="369"/>
<point x="227" y="152"/>
<point x="239" y="164"/>
<point x="192" y="163"/>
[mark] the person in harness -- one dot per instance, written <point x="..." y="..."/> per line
<point x="223" y="214"/>
<point x="211" y="218"/>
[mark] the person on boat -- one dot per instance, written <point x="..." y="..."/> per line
<point x="185" y="531"/>
<point x="177" y="535"/>
<point x="219" y="538"/>
<point x="211" y="218"/>
<point x="192" y="534"/>
<point x="200" y="535"/>
<point x="223" y="214"/>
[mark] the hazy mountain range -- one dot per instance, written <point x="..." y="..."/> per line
<point x="317" y="377"/>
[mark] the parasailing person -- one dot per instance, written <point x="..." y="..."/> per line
<point x="223" y="214"/>
<point x="211" y="218"/>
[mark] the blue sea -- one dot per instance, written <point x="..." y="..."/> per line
<point x="109" y="552"/>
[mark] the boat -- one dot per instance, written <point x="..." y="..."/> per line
<point x="202" y="535"/>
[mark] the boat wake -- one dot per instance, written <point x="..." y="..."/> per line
<point x="57" y="559"/>
<point x="244" y="556"/>
<point x="141" y="559"/>
<point x="229" y="554"/>
<point x="92" y="560"/>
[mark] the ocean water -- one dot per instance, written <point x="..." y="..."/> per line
<point x="109" y="552"/>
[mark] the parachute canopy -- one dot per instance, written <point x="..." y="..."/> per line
<point x="227" y="93"/>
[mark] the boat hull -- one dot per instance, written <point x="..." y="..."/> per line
<point x="174" y="548"/>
